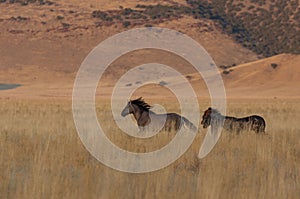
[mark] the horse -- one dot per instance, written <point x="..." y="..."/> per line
<point x="214" y="117"/>
<point x="146" y="118"/>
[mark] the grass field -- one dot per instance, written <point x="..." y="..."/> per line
<point x="41" y="156"/>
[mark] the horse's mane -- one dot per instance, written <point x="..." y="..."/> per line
<point x="141" y="103"/>
<point x="214" y="111"/>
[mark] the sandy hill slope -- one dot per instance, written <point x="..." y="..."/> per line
<point x="277" y="76"/>
<point x="274" y="77"/>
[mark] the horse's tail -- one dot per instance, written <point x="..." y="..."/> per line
<point x="189" y="124"/>
<point x="260" y="124"/>
<point x="263" y="125"/>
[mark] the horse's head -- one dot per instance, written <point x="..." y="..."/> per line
<point x="206" y="118"/>
<point x="134" y="106"/>
<point x="128" y="109"/>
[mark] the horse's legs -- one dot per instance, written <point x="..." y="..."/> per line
<point x="142" y="129"/>
<point x="168" y="126"/>
<point x="260" y="128"/>
<point x="238" y="130"/>
<point x="238" y="127"/>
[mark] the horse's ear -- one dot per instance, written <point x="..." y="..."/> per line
<point x="209" y="109"/>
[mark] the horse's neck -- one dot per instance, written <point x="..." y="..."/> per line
<point x="137" y="114"/>
<point x="152" y="113"/>
<point x="140" y="113"/>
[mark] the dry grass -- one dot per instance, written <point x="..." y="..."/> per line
<point x="41" y="156"/>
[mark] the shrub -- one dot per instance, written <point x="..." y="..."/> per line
<point x="102" y="15"/>
<point x="226" y="72"/>
<point x="65" y="25"/>
<point x="126" y="24"/>
<point x="59" y="17"/>
<point x="274" y="65"/>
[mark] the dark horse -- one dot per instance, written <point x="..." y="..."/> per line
<point x="214" y="117"/>
<point x="145" y="117"/>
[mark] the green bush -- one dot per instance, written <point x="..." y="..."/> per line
<point x="126" y="24"/>
<point x="256" y="28"/>
<point x="274" y="65"/>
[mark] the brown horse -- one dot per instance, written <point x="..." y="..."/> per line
<point x="145" y="117"/>
<point x="214" y="117"/>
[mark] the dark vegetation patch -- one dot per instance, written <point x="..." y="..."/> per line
<point x="26" y="2"/>
<point x="189" y="77"/>
<point x="274" y="65"/>
<point x="19" y="18"/>
<point x="226" y="72"/>
<point x="224" y="67"/>
<point x="266" y="27"/>
<point x="162" y="83"/>
<point x="142" y="15"/>
<point x="8" y="86"/>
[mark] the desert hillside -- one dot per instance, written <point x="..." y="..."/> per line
<point x="43" y="44"/>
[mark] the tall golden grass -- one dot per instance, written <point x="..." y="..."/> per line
<point x="41" y="156"/>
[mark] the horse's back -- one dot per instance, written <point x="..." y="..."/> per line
<point x="254" y="122"/>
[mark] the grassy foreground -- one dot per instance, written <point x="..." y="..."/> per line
<point x="41" y="156"/>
